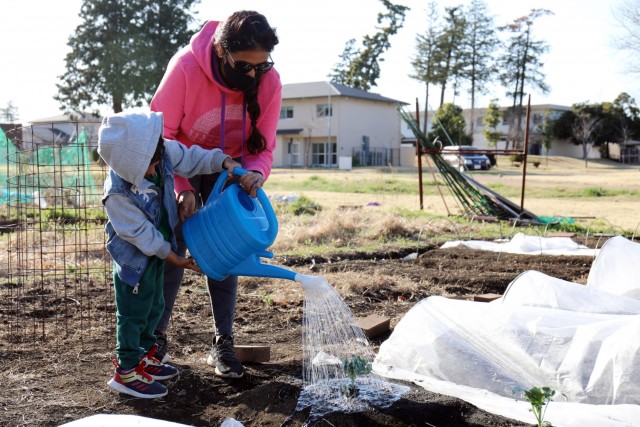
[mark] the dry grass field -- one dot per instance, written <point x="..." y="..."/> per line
<point x="604" y="193"/>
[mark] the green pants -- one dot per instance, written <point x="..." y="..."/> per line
<point x="138" y="312"/>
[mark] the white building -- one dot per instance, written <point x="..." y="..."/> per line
<point x="323" y="124"/>
<point x="558" y="147"/>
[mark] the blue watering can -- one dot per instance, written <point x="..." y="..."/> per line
<point x="232" y="231"/>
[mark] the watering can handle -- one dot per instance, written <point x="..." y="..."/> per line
<point x="261" y="195"/>
<point x="222" y="179"/>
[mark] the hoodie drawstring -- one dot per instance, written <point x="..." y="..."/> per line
<point x="244" y="122"/>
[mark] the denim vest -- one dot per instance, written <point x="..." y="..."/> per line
<point x="129" y="261"/>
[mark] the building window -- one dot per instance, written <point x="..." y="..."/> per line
<point x="507" y="117"/>
<point x="324" y="110"/>
<point x="295" y="153"/>
<point x="286" y="112"/>
<point x="323" y="154"/>
<point x="537" y="118"/>
<point x="479" y="121"/>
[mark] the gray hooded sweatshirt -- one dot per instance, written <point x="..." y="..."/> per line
<point x="127" y="142"/>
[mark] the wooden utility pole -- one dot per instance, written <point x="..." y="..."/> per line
<point x="419" y="154"/>
<point x="524" y="155"/>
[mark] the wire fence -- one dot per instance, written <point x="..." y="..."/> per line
<point x="55" y="273"/>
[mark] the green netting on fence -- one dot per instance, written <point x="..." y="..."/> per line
<point x="47" y="170"/>
<point x="7" y="149"/>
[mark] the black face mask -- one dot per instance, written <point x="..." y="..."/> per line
<point x="238" y="80"/>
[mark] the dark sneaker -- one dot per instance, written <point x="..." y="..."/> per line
<point x="223" y="358"/>
<point x="136" y="382"/>
<point x="162" y="352"/>
<point x="157" y="369"/>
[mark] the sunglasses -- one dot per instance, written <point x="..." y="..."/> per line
<point x="246" y="67"/>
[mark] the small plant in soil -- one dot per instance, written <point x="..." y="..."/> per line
<point x="267" y="298"/>
<point x="353" y="367"/>
<point x="539" y="399"/>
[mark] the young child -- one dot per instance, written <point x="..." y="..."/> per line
<point x="141" y="207"/>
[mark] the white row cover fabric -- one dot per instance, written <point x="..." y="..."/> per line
<point x="120" y="420"/>
<point x="525" y="244"/>
<point x="616" y="269"/>
<point x="580" y="340"/>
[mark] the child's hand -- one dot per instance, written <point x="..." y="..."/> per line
<point x="183" y="262"/>
<point x="190" y="263"/>
<point x="229" y="164"/>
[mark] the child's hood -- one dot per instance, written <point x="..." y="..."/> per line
<point x="127" y="141"/>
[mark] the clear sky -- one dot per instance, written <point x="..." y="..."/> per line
<point x="582" y="64"/>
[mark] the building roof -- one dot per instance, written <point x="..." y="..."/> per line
<point x="289" y="131"/>
<point x="76" y="116"/>
<point x="326" y="89"/>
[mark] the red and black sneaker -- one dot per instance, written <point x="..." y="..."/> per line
<point x="157" y="369"/>
<point x="136" y="382"/>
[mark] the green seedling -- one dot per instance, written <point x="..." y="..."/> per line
<point x="266" y="298"/>
<point x="539" y="399"/>
<point x="352" y="368"/>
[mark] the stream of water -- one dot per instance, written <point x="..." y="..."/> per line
<point x="330" y="335"/>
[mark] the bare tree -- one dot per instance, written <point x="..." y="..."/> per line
<point x="9" y="114"/>
<point x="628" y="15"/>
<point x="584" y="129"/>
<point x="309" y="126"/>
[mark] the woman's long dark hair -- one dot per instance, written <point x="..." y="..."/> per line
<point x="248" y="30"/>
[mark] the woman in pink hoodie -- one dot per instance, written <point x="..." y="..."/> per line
<point x="220" y="91"/>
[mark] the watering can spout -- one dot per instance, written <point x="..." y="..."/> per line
<point x="252" y="266"/>
<point x="311" y="283"/>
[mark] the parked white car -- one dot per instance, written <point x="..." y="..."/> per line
<point x="463" y="157"/>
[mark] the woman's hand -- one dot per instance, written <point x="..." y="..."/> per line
<point x="186" y="204"/>
<point x="251" y="181"/>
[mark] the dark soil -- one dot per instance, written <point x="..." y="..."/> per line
<point x="48" y="385"/>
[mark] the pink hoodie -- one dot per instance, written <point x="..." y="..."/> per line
<point x="199" y="110"/>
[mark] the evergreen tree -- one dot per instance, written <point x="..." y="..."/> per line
<point x="521" y="64"/>
<point x="449" y="126"/>
<point x="629" y="115"/>
<point x="360" y="69"/>
<point x="545" y="129"/>
<point x="451" y="55"/>
<point x="426" y="59"/>
<point x="342" y="72"/>
<point x="491" y="121"/>
<point x="598" y="124"/>
<point x="120" y="51"/>
<point x="479" y="46"/>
